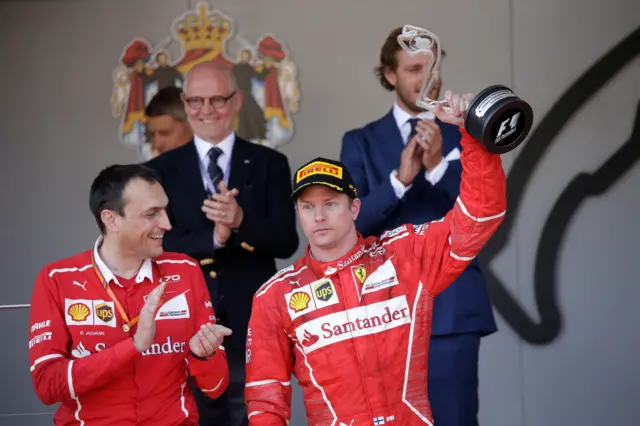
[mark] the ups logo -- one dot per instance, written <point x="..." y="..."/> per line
<point x="104" y="312"/>
<point x="323" y="291"/>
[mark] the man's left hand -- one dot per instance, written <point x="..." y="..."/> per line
<point x="208" y="339"/>
<point x="223" y="208"/>
<point x="430" y="140"/>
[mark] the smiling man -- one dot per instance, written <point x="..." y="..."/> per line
<point x="229" y="208"/>
<point x="352" y="318"/>
<point x="116" y="330"/>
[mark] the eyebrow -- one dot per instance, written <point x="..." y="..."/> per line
<point x="154" y="208"/>
<point x="324" y="200"/>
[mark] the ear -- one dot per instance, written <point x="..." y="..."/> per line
<point x="355" y="208"/>
<point x="391" y="76"/>
<point x="109" y="217"/>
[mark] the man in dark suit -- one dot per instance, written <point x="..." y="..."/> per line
<point x="406" y="168"/>
<point x="229" y="207"/>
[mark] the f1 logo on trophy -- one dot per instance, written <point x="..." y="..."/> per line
<point x="496" y="116"/>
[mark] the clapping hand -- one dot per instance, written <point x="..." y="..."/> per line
<point x="429" y="137"/>
<point x="223" y="208"/>
<point x="146" y="332"/>
<point x="208" y="339"/>
<point x="224" y="211"/>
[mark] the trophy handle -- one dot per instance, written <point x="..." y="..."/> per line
<point x="414" y="40"/>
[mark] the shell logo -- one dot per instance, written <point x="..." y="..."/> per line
<point x="299" y="301"/>
<point x="79" y="311"/>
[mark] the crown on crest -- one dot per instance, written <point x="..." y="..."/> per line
<point x="202" y="30"/>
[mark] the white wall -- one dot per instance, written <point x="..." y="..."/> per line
<point x="56" y="132"/>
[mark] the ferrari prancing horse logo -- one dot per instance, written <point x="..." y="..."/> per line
<point x="361" y="273"/>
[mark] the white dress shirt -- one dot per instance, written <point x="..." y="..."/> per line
<point x="402" y="121"/>
<point x="224" y="162"/>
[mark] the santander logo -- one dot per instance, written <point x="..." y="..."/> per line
<point x="309" y="339"/>
<point x="166" y="348"/>
<point x="353" y="323"/>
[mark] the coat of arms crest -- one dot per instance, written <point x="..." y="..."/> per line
<point x="264" y="71"/>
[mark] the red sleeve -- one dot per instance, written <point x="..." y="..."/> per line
<point x="55" y="376"/>
<point x="212" y="375"/>
<point x="269" y="362"/>
<point x="444" y="248"/>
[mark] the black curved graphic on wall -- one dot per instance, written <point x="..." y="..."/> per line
<point x="578" y="190"/>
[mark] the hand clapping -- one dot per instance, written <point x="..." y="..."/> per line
<point x="208" y="339"/>
<point x="223" y="208"/>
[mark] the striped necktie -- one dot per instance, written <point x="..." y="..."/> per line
<point x="215" y="172"/>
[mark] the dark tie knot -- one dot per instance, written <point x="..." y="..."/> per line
<point x="413" y="122"/>
<point x="214" y="153"/>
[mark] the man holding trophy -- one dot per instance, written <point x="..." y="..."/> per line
<point x="407" y="169"/>
<point x="351" y="320"/>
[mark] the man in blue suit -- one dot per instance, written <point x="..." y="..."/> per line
<point x="406" y="168"/>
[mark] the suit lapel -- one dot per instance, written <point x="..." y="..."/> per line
<point x="241" y="164"/>
<point x="191" y="174"/>
<point x="389" y="141"/>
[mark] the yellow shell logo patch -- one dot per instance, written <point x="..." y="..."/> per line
<point x="299" y="301"/>
<point x="79" y="311"/>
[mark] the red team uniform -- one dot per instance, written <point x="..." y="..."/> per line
<point x="355" y="332"/>
<point x="81" y="355"/>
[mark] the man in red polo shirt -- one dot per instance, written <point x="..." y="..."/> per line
<point x="117" y="330"/>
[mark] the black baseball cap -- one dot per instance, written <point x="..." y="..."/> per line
<point x="322" y="171"/>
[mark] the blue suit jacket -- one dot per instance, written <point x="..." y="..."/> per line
<point x="370" y="154"/>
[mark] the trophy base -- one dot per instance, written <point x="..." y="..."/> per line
<point x="499" y="119"/>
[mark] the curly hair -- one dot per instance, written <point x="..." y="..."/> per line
<point x="388" y="58"/>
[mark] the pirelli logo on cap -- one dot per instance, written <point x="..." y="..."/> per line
<point x="319" y="168"/>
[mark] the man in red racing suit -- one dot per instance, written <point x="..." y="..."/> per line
<point x="353" y="325"/>
<point x="86" y="350"/>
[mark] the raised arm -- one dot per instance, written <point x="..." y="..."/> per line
<point x="448" y="246"/>
<point x="442" y="249"/>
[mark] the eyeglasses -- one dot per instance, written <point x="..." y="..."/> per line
<point x="197" y="102"/>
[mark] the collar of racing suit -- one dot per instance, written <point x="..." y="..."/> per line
<point x="326" y="269"/>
